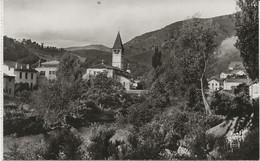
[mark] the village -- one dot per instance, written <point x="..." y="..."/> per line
<point x="91" y="90"/>
<point x="32" y="77"/>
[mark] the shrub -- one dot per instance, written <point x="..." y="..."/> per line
<point x="100" y="144"/>
<point x="65" y="145"/>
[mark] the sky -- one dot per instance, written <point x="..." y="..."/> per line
<point x="66" y="23"/>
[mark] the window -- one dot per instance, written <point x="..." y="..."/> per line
<point x="42" y="73"/>
<point x="21" y="74"/>
<point x="49" y="72"/>
<point x="10" y="91"/>
<point x="216" y="84"/>
<point x="31" y="75"/>
<point x="10" y="79"/>
<point x="26" y="75"/>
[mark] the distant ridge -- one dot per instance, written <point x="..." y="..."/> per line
<point x="90" y="47"/>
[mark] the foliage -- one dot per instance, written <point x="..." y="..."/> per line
<point x="100" y="143"/>
<point x="246" y="27"/>
<point x="19" y="87"/>
<point x="249" y="148"/>
<point x="221" y="104"/>
<point x="69" y="66"/>
<point x="24" y="96"/>
<point x="24" y="51"/>
<point x="194" y="47"/>
<point x="106" y="92"/>
<point x="22" y="125"/>
<point x="27" y="151"/>
<point x="139" y="114"/>
<point x="156" y="59"/>
<point x="65" y="145"/>
<point x="52" y="100"/>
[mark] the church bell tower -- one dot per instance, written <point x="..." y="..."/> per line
<point x="117" y="53"/>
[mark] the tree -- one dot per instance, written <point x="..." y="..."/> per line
<point x="194" y="46"/>
<point x="69" y="66"/>
<point x="106" y="92"/>
<point x="246" y="27"/>
<point x="156" y="59"/>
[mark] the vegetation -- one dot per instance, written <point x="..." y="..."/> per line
<point x="169" y="122"/>
<point x="248" y="37"/>
<point x="27" y="51"/>
<point x="156" y="59"/>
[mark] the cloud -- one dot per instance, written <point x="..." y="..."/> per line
<point x="86" y="21"/>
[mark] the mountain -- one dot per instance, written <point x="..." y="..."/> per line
<point x="90" y="47"/>
<point x="138" y="51"/>
<point x="141" y="48"/>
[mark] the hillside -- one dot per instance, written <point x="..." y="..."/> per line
<point x="139" y="48"/>
<point x="28" y="52"/>
<point x="89" y="47"/>
<point x="138" y="51"/>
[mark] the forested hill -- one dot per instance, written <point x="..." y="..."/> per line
<point x="141" y="47"/>
<point x="28" y="52"/>
<point x="138" y="51"/>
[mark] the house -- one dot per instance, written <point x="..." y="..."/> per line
<point x="236" y="65"/>
<point x="231" y="83"/>
<point x="225" y="74"/>
<point x="254" y="90"/>
<point x="235" y="68"/>
<point x="25" y="74"/>
<point x="47" y="70"/>
<point x="9" y="80"/>
<point x="214" y="84"/>
<point x="116" y="71"/>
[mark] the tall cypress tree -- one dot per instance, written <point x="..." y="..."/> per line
<point x="156" y="59"/>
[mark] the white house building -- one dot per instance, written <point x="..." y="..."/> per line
<point x="47" y="70"/>
<point x="25" y="74"/>
<point x="115" y="71"/>
<point x="9" y="80"/>
<point x="214" y="84"/>
<point x="231" y="83"/>
<point x="254" y="90"/>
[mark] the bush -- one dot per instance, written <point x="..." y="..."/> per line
<point x="100" y="144"/>
<point x="140" y="114"/>
<point x="29" y="151"/>
<point x="22" y="125"/>
<point x="65" y="145"/>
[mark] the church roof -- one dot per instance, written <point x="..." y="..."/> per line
<point x="118" y="42"/>
<point x="117" y="70"/>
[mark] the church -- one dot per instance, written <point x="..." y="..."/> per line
<point x="116" y="71"/>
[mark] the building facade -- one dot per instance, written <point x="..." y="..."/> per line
<point x="214" y="84"/>
<point x="47" y="71"/>
<point x="115" y="71"/>
<point x="25" y="74"/>
<point x="9" y="80"/>
<point x="232" y="83"/>
<point x="254" y="90"/>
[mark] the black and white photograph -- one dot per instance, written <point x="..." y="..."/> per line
<point x="129" y="79"/>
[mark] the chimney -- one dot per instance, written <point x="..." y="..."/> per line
<point x="15" y="65"/>
<point x="27" y="66"/>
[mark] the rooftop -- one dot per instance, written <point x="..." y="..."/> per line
<point x="235" y="80"/>
<point x="236" y="65"/>
<point x="54" y="62"/>
<point x="105" y="66"/>
<point x="118" y="42"/>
